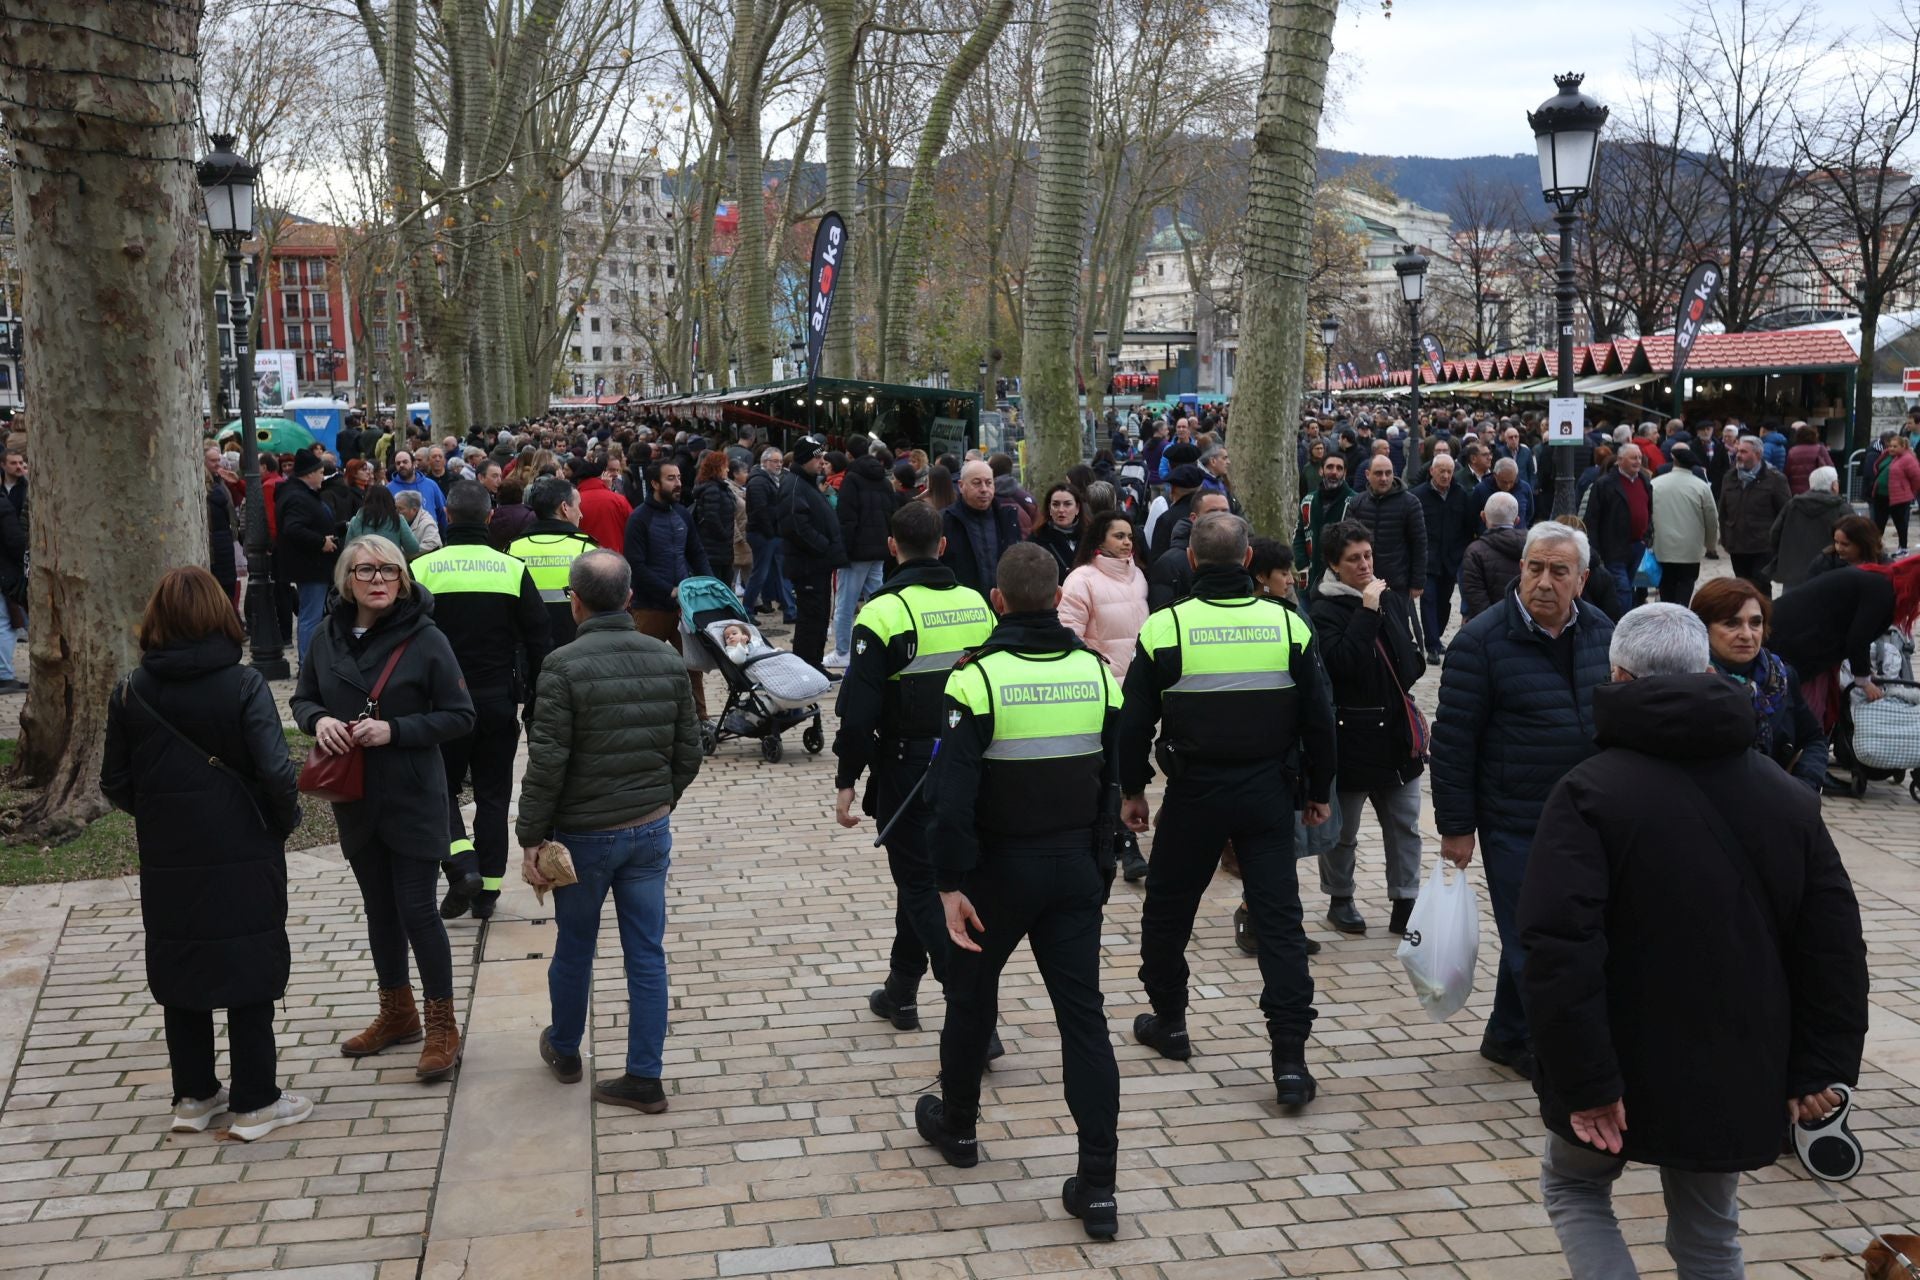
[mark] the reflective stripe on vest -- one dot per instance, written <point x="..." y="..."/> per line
<point x="1043" y="708"/>
<point x="464" y="569"/>
<point x="945" y="623"/>
<point x="548" y="557"/>
<point x="1226" y="647"/>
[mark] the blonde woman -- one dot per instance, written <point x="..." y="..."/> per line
<point x="396" y="835"/>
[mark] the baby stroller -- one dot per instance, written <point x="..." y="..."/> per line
<point x="768" y="693"/>
<point x="1880" y="741"/>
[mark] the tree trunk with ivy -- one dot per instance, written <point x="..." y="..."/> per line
<point x="108" y="225"/>
<point x="1279" y="250"/>
<point x="1051" y="398"/>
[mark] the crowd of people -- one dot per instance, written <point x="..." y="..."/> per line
<point x="1013" y="672"/>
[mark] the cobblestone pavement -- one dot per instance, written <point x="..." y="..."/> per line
<point x="789" y="1149"/>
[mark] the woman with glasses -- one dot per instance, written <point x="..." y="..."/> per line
<point x="395" y="836"/>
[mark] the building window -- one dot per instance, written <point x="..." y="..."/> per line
<point x="317" y="305"/>
<point x="1159" y="268"/>
<point x="669" y="244"/>
<point x="220" y="315"/>
<point x="379" y="337"/>
<point x="613" y="323"/>
<point x="596" y="355"/>
<point x="576" y="355"/>
<point x="290" y="304"/>
<point x="295" y="339"/>
<point x="669" y="271"/>
<point x="616" y="355"/>
<point x="653" y="299"/>
<point x="616" y="297"/>
<point x="626" y="211"/>
<point x="594" y="324"/>
<point x="650" y="242"/>
<point x="646" y="186"/>
<point x="316" y="271"/>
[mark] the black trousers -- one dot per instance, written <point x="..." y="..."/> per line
<point x="254" y="1057"/>
<point x="1753" y="567"/>
<point x="919" y="922"/>
<point x="1677" y="581"/>
<point x="402" y="914"/>
<point x="1052" y="898"/>
<point x="1210" y="805"/>
<point x="1902" y="514"/>
<point x="487" y="753"/>
<point x="813" y="605"/>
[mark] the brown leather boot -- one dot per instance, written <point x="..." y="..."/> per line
<point x="441" y="1053"/>
<point x="398" y="1022"/>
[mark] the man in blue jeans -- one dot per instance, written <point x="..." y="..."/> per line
<point x="309" y="544"/>
<point x="1516" y="712"/>
<point x="613" y="744"/>
<point x="767" y="583"/>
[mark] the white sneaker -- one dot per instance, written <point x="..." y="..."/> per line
<point x="836" y="660"/>
<point x="291" y="1108"/>
<point x="193" y="1116"/>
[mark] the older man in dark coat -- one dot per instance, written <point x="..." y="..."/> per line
<point x="1666" y="1033"/>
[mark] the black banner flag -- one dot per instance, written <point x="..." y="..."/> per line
<point x="829" y="249"/>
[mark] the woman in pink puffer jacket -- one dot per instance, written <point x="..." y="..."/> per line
<point x="1104" y="599"/>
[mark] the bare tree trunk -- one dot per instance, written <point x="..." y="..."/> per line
<point x="109" y="240"/>
<point x="1279" y="238"/>
<point x="1059" y="229"/>
<point x="755" y="282"/>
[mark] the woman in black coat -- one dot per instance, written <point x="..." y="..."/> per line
<point x="1065" y="523"/>
<point x="220" y="529"/>
<point x="212" y="839"/>
<point x="1786" y="729"/>
<point x="395" y="837"/>
<point x="713" y="508"/>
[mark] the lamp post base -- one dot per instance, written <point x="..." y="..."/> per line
<point x="267" y="654"/>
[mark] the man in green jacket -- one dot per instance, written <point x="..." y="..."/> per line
<point x="613" y="745"/>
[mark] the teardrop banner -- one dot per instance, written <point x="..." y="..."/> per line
<point x="1696" y="302"/>
<point x="829" y="249"/>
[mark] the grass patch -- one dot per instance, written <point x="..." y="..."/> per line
<point x="107" y="847"/>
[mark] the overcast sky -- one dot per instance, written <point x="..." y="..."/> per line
<point x="1457" y="77"/>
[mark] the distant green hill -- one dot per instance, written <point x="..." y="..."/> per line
<point x="1427" y="180"/>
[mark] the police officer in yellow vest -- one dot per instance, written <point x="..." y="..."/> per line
<point x="550" y="546"/>
<point x="1023" y="798"/>
<point x="1234" y="682"/>
<point x="892" y="705"/>
<point x="486" y="603"/>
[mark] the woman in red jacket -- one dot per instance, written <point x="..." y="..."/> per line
<point x="1896" y="481"/>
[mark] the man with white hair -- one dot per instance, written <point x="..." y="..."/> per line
<point x="1516" y="712"/>
<point x="1752" y="496"/>
<point x="1504" y="477"/>
<point x="414" y="512"/>
<point x="1804" y="529"/>
<point x="1686" y="524"/>
<point x="1664" y="1034"/>
<point x="1620" y="517"/>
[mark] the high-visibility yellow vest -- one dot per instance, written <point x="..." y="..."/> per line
<point x="548" y="557"/>
<point x="939" y="624"/>
<point x="467" y="567"/>
<point x="1044" y="761"/>
<point x="1234" y="695"/>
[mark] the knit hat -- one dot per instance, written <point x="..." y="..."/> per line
<point x="1186" y="476"/>
<point x="805" y="449"/>
<point x="304" y="463"/>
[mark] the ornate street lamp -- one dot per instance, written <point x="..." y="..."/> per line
<point x="798" y="350"/>
<point x="1412" y="270"/>
<point x="227" y="184"/>
<point x="1329" y="334"/>
<point x="1566" y="128"/>
<point x="983" y="379"/>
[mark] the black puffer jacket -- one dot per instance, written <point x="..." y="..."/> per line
<point x="1490" y="567"/>
<point x="305" y="523"/>
<point x="810" y="528"/>
<point x="713" y="523"/>
<point x="1704" y="1022"/>
<point x="764" y="491"/>
<point x="1370" y="717"/>
<point x="613" y="735"/>
<point x="1399" y="529"/>
<point x="213" y="865"/>
<point x="867" y="503"/>
<point x="221" y="561"/>
<point x="427" y="704"/>
<point x="1516" y="712"/>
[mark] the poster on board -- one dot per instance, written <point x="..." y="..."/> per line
<point x="1566" y="421"/>
<point x="274" y="381"/>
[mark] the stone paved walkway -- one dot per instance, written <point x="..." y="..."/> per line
<point x="788" y="1149"/>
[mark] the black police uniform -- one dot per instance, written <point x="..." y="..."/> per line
<point x="486" y="603"/>
<point x="891" y="707"/>
<point x="1235" y="684"/>
<point x="1022" y="797"/>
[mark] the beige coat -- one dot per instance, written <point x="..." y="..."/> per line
<point x="1686" y="521"/>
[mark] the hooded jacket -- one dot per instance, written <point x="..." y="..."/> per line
<point x="1802" y="530"/>
<point x="213" y="865"/>
<point x="1371" y="657"/>
<point x="425" y="702"/>
<point x="713" y="510"/>
<point x="1399" y="530"/>
<point x="1703" y="1021"/>
<point x="1104" y="602"/>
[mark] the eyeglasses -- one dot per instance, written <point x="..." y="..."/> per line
<point x="381" y="572"/>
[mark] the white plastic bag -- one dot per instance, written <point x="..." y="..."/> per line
<point x="1442" y="943"/>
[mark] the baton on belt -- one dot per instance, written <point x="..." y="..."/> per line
<point x="914" y="791"/>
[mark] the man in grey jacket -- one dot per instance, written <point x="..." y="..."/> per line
<point x="613" y="744"/>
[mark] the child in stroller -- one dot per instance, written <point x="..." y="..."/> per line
<point x="768" y="689"/>
<point x="1881" y="740"/>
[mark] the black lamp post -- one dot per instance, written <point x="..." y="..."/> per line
<point x="733" y="371"/>
<point x="1566" y="129"/>
<point x="1412" y="270"/>
<point x="983" y="379"/>
<point x="798" y="350"/>
<point x="1329" y="334"/>
<point x="226" y="181"/>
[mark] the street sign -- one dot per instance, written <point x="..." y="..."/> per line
<point x="1910" y="381"/>
<point x="1566" y="421"/>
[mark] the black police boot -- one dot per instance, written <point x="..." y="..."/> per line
<point x="484" y="902"/>
<point x="1402" y="912"/>
<point x="1132" y="865"/>
<point x="1165" y="1036"/>
<point x="898" y="1003"/>
<point x="1293" y="1086"/>
<point x="460" y="896"/>
<point x="948" y="1132"/>
<point x="1516" y="1055"/>
<point x="1243" y="935"/>
<point x="1094" y="1204"/>
<point x="1342" y="916"/>
<point x="994" y="1048"/>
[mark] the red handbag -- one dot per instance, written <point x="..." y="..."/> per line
<point x="342" y="778"/>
